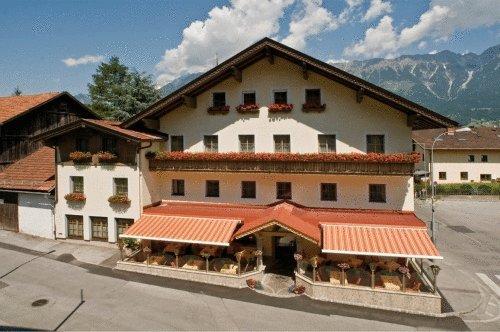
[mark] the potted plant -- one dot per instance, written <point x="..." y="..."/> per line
<point x="274" y="108"/>
<point x="313" y="107"/>
<point x="106" y="157"/>
<point x="218" y="109"/>
<point x="80" y="157"/>
<point x="251" y="283"/>
<point x="247" y="108"/>
<point x="75" y="197"/>
<point x="119" y="199"/>
<point x="299" y="290"/>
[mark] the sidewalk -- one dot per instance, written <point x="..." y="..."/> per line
<point x="96" y="253"/>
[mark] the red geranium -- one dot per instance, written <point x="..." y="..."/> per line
<point x="280" y="107"/>
<point x="75" y="197"/>
<point x="243" y="108"/>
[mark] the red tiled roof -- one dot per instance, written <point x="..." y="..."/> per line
<point x="378" y="241"/>
<point x="307" y="222"/>
<point x="13" y="106"/>
<point x="481" y="138"/>
<point x="209" y="231"/>
<point x="35" y="172"/>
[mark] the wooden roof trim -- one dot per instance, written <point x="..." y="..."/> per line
<point x="268" y="46"/>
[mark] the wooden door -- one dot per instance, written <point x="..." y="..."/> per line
<point x="9" y="212"/>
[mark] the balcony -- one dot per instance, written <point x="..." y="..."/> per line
<point x="311" y="163"/>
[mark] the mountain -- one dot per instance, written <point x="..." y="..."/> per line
<point x="462" y="87"/>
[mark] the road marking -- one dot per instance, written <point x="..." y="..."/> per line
<point x="494" y="287"/>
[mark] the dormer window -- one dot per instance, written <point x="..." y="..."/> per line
<point x="219" y="99"/>
<point x="313" y="97"/>
<point x="280" y="97"/>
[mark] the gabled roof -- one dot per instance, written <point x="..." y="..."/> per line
<point x="106" y="126"/>
<point x="481" y="138"/>
<point x="35" y="172"/>
<point x="422" y="117"/>
<point x="12" y="107"/>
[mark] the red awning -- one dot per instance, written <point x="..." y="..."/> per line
<point x="208" y="231"/>
<point x="374" y="240"/>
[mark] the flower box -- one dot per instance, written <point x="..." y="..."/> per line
<point x="79" y="157"/>
<point x="313" y="107"/>
<point x="75" y="197"/>
<point x="106" y="157"/>
<point x="247" y="108"/>
<point x="119" y="199"/>
<point x="218" y="109"/>
<point x="275" y="108"/>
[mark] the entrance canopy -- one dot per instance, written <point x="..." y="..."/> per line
<point x="208" y="231"/>
<point x="376" y="240"/>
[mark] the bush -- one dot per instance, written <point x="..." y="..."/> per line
<point x="466" y="189"/>
<point x="484" y="189"/>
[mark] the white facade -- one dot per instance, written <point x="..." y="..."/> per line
<point x="98" y="187"/>
<point x="35" y="214"/>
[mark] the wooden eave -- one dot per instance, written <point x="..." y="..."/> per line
<point x="424" y="117"/>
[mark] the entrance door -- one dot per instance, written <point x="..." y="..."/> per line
<point x="8" y="212"/>
<point x="284" y="248"/>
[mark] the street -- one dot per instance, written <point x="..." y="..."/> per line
<point x="114" y="300"/>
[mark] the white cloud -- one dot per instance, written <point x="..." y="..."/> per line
<point x="84" y="60"/>
<point x="443" y="18"/>
<point x="377" y="8"/>
<point x="334" y="61"/>
<point x="422" y="44"/>
<point x="226" y="31"/>
<point x="433" y="52"/>
<point x="311" y="20"/>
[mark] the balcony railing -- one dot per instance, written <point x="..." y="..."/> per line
<point x="331" y="163"/>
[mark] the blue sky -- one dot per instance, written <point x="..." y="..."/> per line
<point x="171" y="38"/>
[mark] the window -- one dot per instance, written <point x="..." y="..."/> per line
<point x="485" y="177"/>
<point x="249" y="98"/>
<point x="281" y="97"/>
<point x="375" y="144"/>
<point x="177" y="187"/>
<point x="282" y="143"/>
<point x="471" y="158"/>
<point x="99" y="227"/>
<point x="377" y="193"/>
<point x="75" y="227"/>
<point x="326" y="143"/>
<point x="177" y="143"/>
<point x="247" y="143"/>
<point x="212" y="188"/>
<point x="82" y="144"/>
<point x="442" y="175"/>
<point x="328" y="191"/>
<point x="123" y="224"/>
<point x="109" y="144"/>
<point x="248" y="189"/>
<point x="211" y="143"/>
<point x="464" y="175"/>
<point x="313" y="96"/>
<point x="219" y="99"/>
<point x="121" y="186"/>
<point x="484" y="158"/>
<point x="283" y="190"/>
<point x="76" y="184"/>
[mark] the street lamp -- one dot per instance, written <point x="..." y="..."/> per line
<point x="438" y="138"/>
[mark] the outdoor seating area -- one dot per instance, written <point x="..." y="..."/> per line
<point x="395" y="274"/>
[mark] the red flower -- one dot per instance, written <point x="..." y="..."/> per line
<point x="280" y="107"/>
<point x="119" y="199"/>
<point x="80" y="157"/>
<point x="247" y="108"/>
<point x="75" y="197"/>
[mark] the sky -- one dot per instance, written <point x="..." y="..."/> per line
<point x="57" y="45"/>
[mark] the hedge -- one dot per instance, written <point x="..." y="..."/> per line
<point x="470" y="188"/>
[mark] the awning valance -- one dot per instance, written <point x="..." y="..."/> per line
<point x="208" y="231"/>
<point x="378" y="241"/>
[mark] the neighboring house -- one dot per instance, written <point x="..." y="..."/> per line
<point x="27" y="176"/>
<point x="460" y="157"/>
<point x="272" y="153"/>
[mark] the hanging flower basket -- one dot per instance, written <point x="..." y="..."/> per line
<point x="313" y="107"/>
<point x="218" y="109"/>
<point x="75" y="197"/>
<point x="106" y="157"/>
<point x="275" y="108"/>
<point x="119" y="199"/>
<point x="79" y="157"/>
<point x="247" y="108"/>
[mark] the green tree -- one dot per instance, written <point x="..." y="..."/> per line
<point x="117" y="92"/>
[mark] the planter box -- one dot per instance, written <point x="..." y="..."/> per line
<point x="218" y="109"/>
<point x="313" y="108"/>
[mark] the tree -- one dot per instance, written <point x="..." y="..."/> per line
<point x="117" y="92"/>
<point x="17" y="92"/>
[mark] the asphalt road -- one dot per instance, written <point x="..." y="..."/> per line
<point x="117" y="300"/>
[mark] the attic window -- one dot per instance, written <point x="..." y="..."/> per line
<point x="219" y="99"/>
